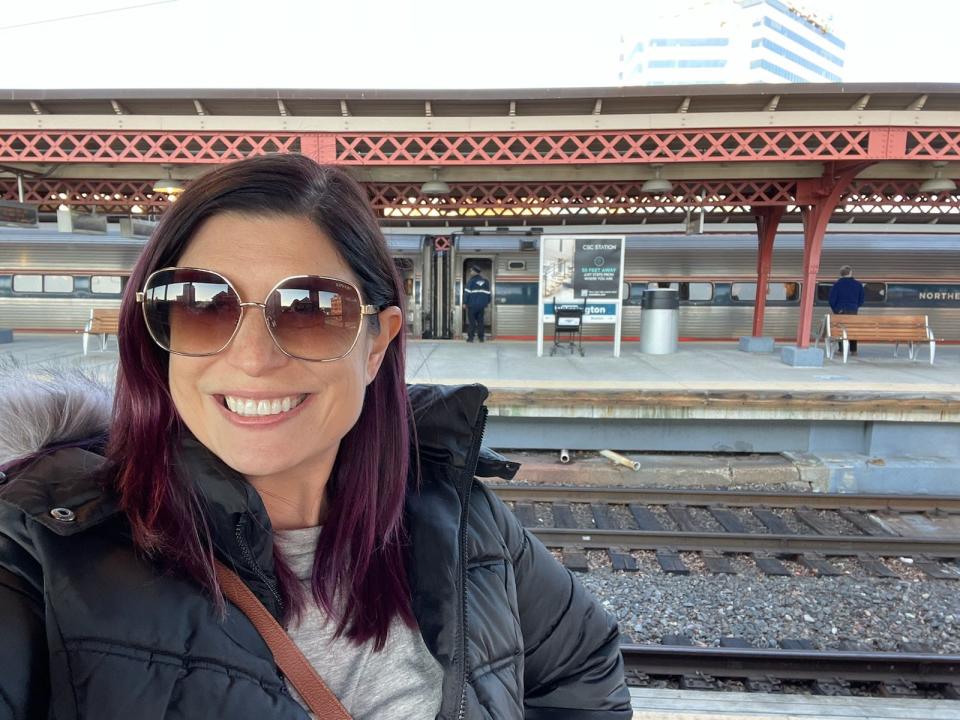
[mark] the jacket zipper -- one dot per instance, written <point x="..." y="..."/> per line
<point x="469" y="472"/>
<point x="248" y="556"/>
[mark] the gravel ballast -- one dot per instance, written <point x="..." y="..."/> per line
<point x="883" y="614"/>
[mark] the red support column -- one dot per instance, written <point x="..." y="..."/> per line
<point x="768" y="218"/>
<point x="817" y="199"/>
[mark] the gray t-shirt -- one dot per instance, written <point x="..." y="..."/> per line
<point x="400" y="682"/>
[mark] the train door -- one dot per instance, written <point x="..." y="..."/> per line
<point x="441" y="289"/>
<point x="485" y="264"/>
<point x="406" y="269"/>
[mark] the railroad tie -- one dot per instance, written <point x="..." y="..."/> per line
<point x="774" y="523"/>
<point x="834" y="687"/>
<point x="728" y="519"/>
<point x="934" y="569"/>
<point x="671" y="562"/>
<point x="684" y="519"/>
<point x="718" y="564"/>
<point x="771" y="566"/>
<point x="525" y="514"/>
<point x="872" y="565"/>
<point x="762" y="684"/>
<point x="622" y="560"/>
<point x="601" y="516"/>
<point x="645" y="518"/>
<point x="820" y="565"/>
<point x="575" y="559"/>
<point x="563" y="516"/>
<point x="811" y="519"/>
<point x="866" y="524"/>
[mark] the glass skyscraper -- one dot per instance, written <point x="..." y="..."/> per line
<point x="731" y="41"/>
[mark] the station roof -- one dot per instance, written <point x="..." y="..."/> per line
<point x="511" y="156"/>
<point x="633" y="100"/>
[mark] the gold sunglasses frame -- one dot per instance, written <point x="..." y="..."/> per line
<point x="365" y="310"/>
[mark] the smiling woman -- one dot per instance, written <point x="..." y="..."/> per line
<point x="263" y="441"/>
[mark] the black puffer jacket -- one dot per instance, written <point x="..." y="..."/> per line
<point x="89" y="630"/>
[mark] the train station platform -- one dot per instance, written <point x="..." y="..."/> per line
<point x="667" y="704"/>
<point x="878" y="423"/>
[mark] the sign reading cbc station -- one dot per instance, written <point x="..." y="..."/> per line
<point x="586" y="271"/>
<point x="17" y="214"/>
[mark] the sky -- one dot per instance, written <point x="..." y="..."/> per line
<point x="414" y="44"/>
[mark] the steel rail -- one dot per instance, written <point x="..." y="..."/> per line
<point x="676" y="660"/>
<point x="730" y="498"/>
<point x="839" y="545"/>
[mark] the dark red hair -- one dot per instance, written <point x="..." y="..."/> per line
<point x="360" y="554"/>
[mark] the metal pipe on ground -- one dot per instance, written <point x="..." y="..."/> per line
<point x="565" y="456"/>
<point x="620" y="459"/>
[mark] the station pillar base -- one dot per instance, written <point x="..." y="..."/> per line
<point x="6" y="336"/>
<point x="753" y="344"/>
<point x="802" y="357"/>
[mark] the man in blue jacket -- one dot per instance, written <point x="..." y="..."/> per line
<point x="476" y="296"/>
<point x="846" y="297"/>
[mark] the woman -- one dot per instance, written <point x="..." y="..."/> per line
<point x="261" y="420"/>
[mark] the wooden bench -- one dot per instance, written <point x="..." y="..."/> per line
<point x="102" y="322"/>
<point x="909" y="329"/>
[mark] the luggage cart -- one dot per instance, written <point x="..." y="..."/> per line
<point x="568" y="321"/>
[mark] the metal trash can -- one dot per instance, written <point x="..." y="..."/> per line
<point x="659" y="321"/>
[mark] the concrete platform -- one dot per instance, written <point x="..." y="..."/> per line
<point x="877" y="424"/>
<point x="665" y="704"/>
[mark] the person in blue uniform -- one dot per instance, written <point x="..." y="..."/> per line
<point x="846" y="296"/>
<point x="476" y="297"/>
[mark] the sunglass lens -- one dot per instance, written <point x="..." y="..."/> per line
<point x="192" y="312"/>
<point x="315" y="318"/>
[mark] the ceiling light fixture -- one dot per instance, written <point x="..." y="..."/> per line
<point x="938" y="184"/>
<point x="657" y="184"/>
<point x="436" y="186"/>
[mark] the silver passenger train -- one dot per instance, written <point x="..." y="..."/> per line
<point x="50" y="281"/>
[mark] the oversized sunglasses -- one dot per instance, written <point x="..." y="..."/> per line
<point x="189" y="311"/>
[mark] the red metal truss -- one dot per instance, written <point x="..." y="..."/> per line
<point x="642" y="146"/>
<point x="404" y="200"/>
<point x="489" y="148"/>
<point x="140" y="147"/>
<point x="106" y="196"/>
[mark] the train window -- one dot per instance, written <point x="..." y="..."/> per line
<point x="875" y="292"/>
<point x="58" y="283"/>
<point x="743" y="292"/>
<point x="696" y="292"/>
<point x="823" y="291"/>
<point x="777" y="292"/>
<point x="28" y="283"/>
<point x="105" y="284"/>
<point x="516" y="264"/>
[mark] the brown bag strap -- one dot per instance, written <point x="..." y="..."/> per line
<point x="301" y="674"/>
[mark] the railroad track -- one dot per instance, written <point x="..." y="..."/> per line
<point x="808" y="528"/>
<point x="766" y="670"/>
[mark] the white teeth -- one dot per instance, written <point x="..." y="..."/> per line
<point x="249" y="407"/>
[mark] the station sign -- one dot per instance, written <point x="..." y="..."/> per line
<point x="18" y="214"/>
<point x="69" y="221"/>
<point x="586" y="270"/>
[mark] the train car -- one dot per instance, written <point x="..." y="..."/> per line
<point x="50" y="281"/>
<point x="716" y="279"/>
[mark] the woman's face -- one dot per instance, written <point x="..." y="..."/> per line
<point x="254" y="253"/>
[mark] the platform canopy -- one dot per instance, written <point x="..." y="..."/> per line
<point x="509" y="157"/>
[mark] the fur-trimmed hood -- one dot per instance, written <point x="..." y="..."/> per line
<point x="50" y="407"/>
<point x="42" y="408"/>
